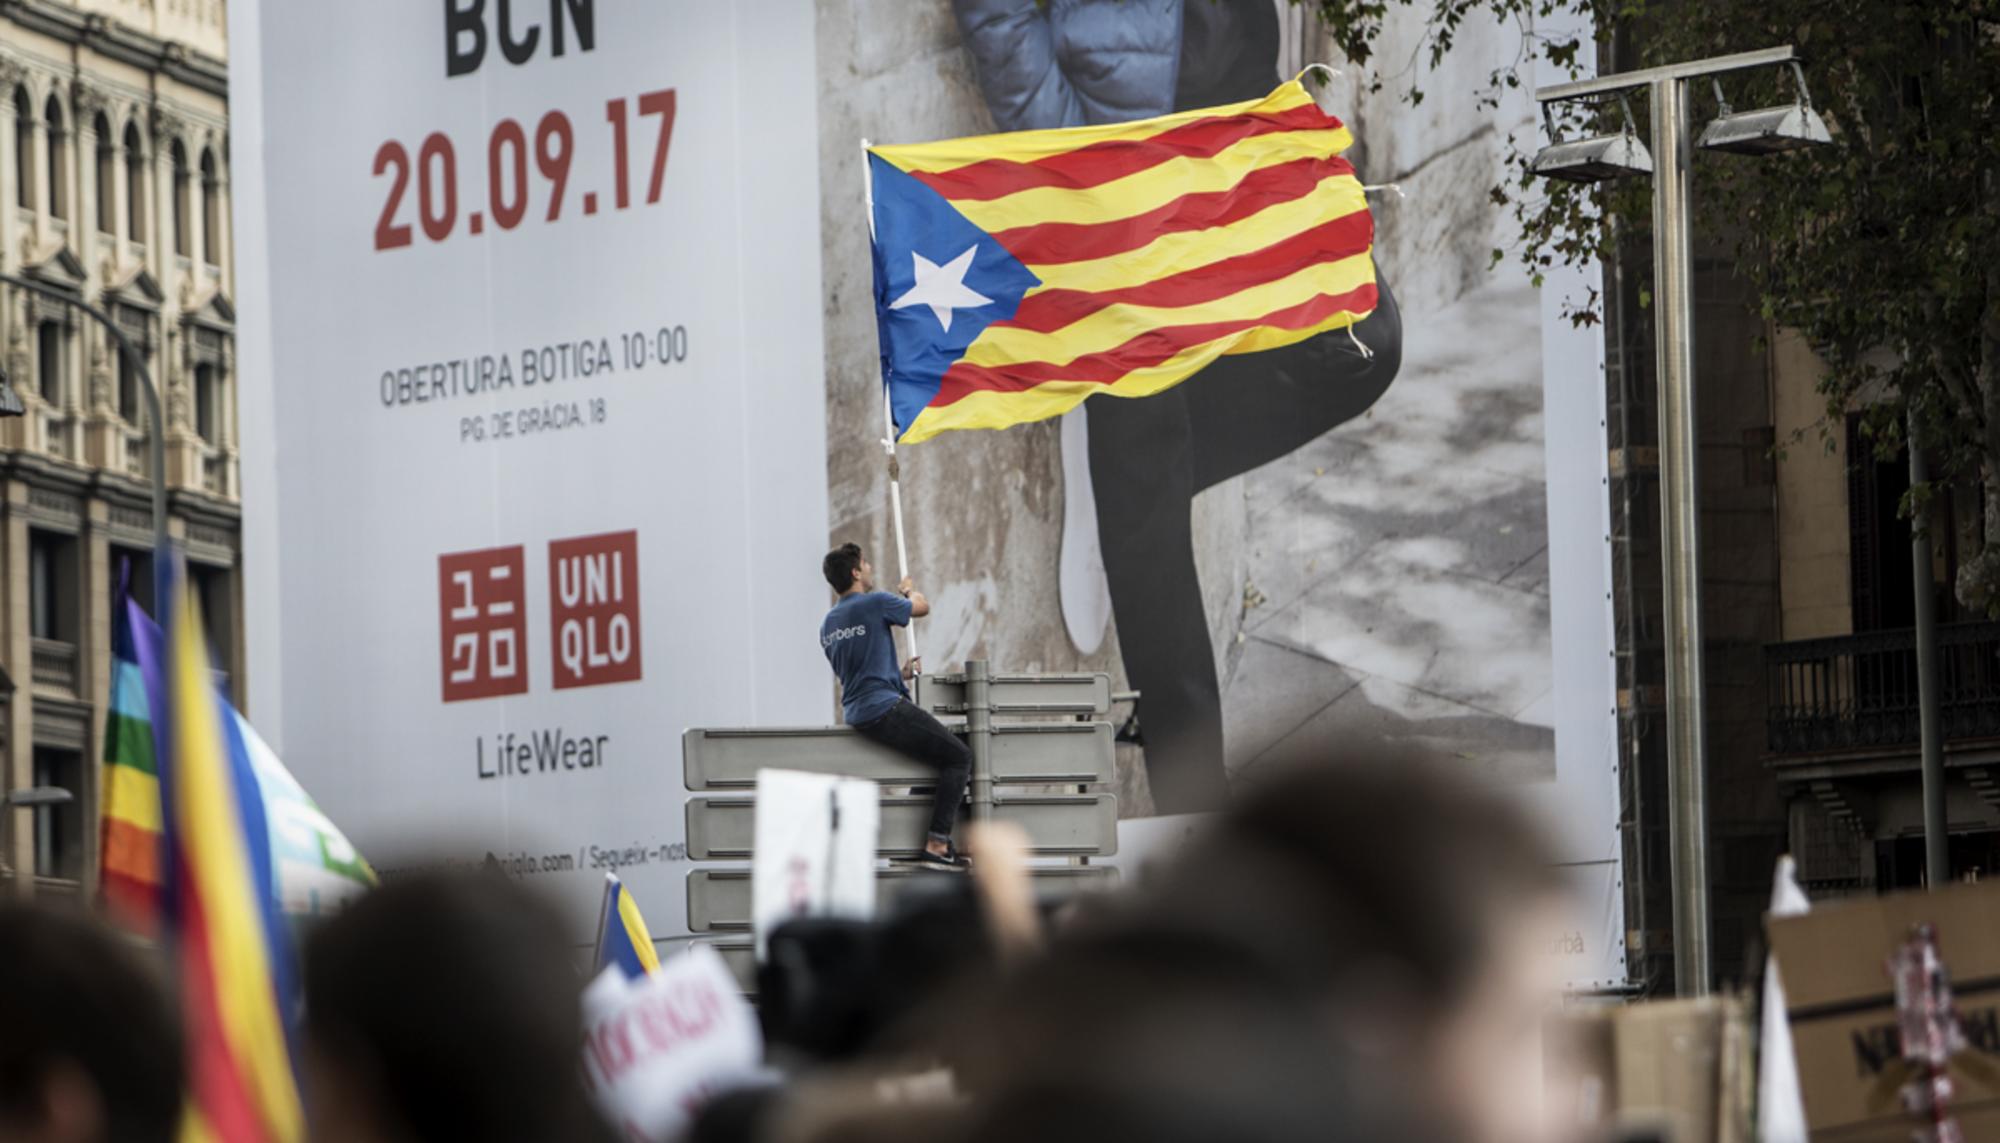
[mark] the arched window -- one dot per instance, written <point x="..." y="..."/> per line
<point x="24" y="149"/>
<point x="211" y="211"/>
<point x="135" y="183"/>
<point x="58" y="159"/>
<point x="181" y="219"/>
<point x="107" y="175"/>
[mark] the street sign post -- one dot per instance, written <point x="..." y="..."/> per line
<point x="1050" y="734"/>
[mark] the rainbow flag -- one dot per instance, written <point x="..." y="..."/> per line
<point x="130" y="867"/>
<point x="232" y="946"/>
<point x="622" y="938"/>
<point x="1018" y="274"/>
<point x="316" y="866"/>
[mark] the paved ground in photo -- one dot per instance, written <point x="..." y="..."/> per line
<point x="1398" y="575"/>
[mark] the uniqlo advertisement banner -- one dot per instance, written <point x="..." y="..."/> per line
<point x="533" y="410"/>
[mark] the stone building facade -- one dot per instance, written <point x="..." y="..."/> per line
<point x="114" y="190"/>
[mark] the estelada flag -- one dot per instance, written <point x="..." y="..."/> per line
<point x="1018" y="274"/>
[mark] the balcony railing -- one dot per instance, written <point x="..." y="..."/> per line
<point x="1859" y="692"/>
<point x="55" y="665"/>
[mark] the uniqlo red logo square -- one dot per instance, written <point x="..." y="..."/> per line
<point x="594" y="609"/>
<point x="483" y="614"/>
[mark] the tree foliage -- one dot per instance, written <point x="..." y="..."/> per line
<point x="1882" y="250"/>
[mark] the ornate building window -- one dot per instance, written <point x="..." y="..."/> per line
<point x="24" y="149"/>
<point x="136" y="325"/>
<point x="135" y="183"/>
<point x="211" y="211"/>
<point x="107" y="174"/>
<point x="211" y="389"/>
<point x="49" y="360"/>
<point x="182" y="221"/>
<point x="205" y="403"/>
<point x="58" y="151"/>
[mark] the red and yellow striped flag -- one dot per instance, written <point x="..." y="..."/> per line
<point x="1018" y="274"/>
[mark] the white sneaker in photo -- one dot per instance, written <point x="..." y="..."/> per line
<point x="1082" y="588"/>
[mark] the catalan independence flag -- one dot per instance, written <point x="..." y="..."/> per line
<point x="1018" y="274"/>
<point x="622" y="938"/>
<point x="237" y="980"/>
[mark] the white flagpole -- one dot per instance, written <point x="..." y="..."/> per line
<point x="889" y="422"/>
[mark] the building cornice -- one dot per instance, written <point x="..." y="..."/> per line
<point x="116" y="488"/>
<point x="109" y="38"/>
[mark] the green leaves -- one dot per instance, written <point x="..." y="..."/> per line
<point x="1876" y="249"/>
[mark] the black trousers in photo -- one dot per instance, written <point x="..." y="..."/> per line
<point x="1148" y="458"/>
<point x="910" y="731"/>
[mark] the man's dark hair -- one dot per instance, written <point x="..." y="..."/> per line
<point x="840" y="565"/>
<point x="403" y="986"/>
<point x="78" y="998"/>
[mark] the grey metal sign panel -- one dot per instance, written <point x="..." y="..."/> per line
<point x="1057" y="826"/>
<point x="719" y="899"/>
<point x="1020" y="694"/>
<point x="741" y="957"/>
<point x="1038" y="753"/>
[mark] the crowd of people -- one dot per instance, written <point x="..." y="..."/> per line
<point x="1348" y="952"/>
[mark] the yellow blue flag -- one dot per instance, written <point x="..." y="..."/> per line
<point x="623" y="939"/>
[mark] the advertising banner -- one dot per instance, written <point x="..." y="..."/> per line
<point x="532" y="359"/>
<point x="1393" y="537"/>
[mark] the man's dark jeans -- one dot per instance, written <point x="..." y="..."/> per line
<point x="909" y="731"/>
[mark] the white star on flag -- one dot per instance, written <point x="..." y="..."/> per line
<point x="943" y="288"/>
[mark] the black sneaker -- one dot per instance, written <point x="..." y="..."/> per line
<point x="951" y="861"/>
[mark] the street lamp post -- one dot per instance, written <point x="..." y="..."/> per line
<point x="1754" y="132"/>
<point x="156" y="452"/>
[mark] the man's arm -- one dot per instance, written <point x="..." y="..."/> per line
<point x="919" y="606"/>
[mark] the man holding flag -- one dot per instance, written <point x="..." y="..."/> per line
<point x="858" y="638"/>
<point x="1214" y="263"/>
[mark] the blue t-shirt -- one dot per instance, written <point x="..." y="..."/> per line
<point x="862" y="650"/>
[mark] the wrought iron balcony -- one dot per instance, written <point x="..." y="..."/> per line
<point x="1856" y="693"/>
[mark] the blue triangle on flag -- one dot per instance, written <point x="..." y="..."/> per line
<point x="929" y="306"/>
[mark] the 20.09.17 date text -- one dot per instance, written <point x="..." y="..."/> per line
<point x="508" y="187"/>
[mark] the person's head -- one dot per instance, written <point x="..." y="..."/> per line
<point x="1407" y="908"/>
<point x="90" y="1045"/>
<point x="846" y="569"/>
<point x="1203" y="1043"/>
<point x="444" y="1006"/>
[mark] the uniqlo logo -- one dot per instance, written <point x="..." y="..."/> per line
<point x="482" y="608"/>
<point x="594" y="609"/>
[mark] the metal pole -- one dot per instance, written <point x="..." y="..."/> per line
<point x="979" y="735"/>
<point x="896" y="510"/>
<point x="889" y="417"/>
<point x="156" y="451"/>
<point x="1680" y="525"/>
<point x="1937" y="861"/>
